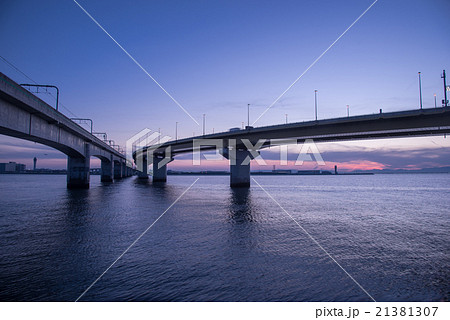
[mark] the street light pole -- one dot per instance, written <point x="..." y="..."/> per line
<point x="420" y="90"/>
<point x="315" y="102"/>
<point x="348" y="111"/>
<point x="248" y="115"/>
<point x="286" y="118"/>
<point x="435" y="103"/>
<point x="176" y="131"/>
<point x="204" y="115"/>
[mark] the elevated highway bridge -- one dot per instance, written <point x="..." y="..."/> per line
<point x="245" y="142"/>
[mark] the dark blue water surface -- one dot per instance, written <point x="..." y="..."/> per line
<point x="390" y="232"/>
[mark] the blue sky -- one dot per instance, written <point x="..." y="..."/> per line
<point x="215" y="57"/>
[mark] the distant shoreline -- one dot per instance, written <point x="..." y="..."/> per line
<point x="214" y="173"/>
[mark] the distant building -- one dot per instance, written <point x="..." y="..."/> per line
<point x="282" y="171"/>
<point x="11" y="167"/>
<point x="8" y="167"/>
<point x="309" y="172"/>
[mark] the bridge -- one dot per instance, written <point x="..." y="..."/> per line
<point x="236" y="145"/>
<point x="25" y="116"/>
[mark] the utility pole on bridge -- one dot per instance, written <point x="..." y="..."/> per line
<point x="420" y="90"/>
<point x="445" y="90"/>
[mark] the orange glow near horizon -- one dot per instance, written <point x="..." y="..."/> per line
<point x="223" y="165"/>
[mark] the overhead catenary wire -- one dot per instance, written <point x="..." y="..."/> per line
<point x="29" y="78"/>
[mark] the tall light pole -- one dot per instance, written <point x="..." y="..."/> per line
<point x="445" y="89"/>
<point x="435" y="103"/>
<point x="204" y="119"/>
<point x="176" y="131"/>
<point x="159" y="135"/>
<point x="286" y="118"/>
<point x="248" y="115"/>
<point x="420" y="90"/>
<point x="348" y="111"/>
<point x="315" y="102"/>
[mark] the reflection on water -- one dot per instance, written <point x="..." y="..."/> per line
<point x="241" y="207"/>
<point x="222" y="244"/>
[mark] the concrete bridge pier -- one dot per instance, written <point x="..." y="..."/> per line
<point x="78" y="171"/>
<point x="239" y="170"/>
<point x="123" y="164"/>
<point x="159" y="173"/>
<point x="107" y="170"/>
<point x="118" y="173"/>
<point x="126" y="171"/>
<point x="142" y="167"/>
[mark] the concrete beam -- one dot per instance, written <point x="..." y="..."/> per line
<point x="25" y="116"/>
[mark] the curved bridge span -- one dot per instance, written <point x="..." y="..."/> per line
<point x="238" y="145"/>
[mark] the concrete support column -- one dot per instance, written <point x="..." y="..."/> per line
<point x="78" y="171"/>
<point x="124" y="169"/>
<point x="159" y="174"/>
<point x="107" y="170"/>
<point x="142" y="167"/>
<point x="118" y="170"/>
<point x="239" y="172"/>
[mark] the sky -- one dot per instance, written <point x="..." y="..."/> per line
<point x="215" y="57"/>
